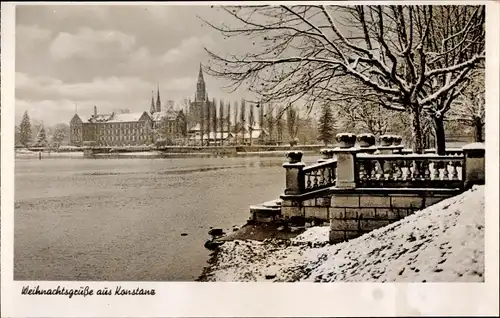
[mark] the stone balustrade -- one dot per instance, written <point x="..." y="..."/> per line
<point x="364" y="187"/>
<point x="385" y="165"/>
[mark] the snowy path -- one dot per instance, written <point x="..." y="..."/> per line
<point x="443" y="243"/>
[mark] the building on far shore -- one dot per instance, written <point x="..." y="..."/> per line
<point x="130" y="129"/>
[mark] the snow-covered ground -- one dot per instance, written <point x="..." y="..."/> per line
<point x="24" y="153"/>
<point x="443" y="243"/>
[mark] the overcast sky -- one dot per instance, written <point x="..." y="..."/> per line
<point x="110" y="56"/>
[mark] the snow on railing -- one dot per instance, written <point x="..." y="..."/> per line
<point x="320" y="175"/>
<point x="410" y="171"/>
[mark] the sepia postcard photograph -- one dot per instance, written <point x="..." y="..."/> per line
<point x="152" y="151"/>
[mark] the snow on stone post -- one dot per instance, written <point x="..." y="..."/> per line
<point x="474" y="164"/>
<point x="327" y="154"/>
<point x="367" y="143"/>
<point x="294" y="179"/>
<point x="385" y="146"/>
<point x="346" y="157"/>
<point x="396" y="144"/>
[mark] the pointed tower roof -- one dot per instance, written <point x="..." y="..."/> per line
<point x="200" y="75"/>
<point x="152" y="110"/>
<point x="158" y="101"/>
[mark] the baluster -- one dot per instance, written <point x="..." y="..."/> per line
<point x="334" y="174"/>
<point x="315" y="180"/>
<point x="399" y="170"/>
<point x="389" y="170"/>
<point x="416" y="170"/>
<point x="373" y="173"/>
<point x="368" y="169"/>
<point x="426" y="172"/>
<point x="445" y="170"/>
<point x="329" y="175"/>
<point x="362" y="171"/>
<point x="454" y="172"/>
<point x="380" y="170"/>
<point x="459" y="165"/>
<point x="308" y="184"/>
<point x="435" y="166"/>
<point x="408" y="164"/>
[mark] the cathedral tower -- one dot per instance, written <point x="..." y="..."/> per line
<point x="201" y="93"/>
<point x="152" y="110"/>
<point x="158" y="101"/>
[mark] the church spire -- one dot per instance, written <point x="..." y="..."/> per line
<point x="200" y="76"/>
<point x="152" y="110"/>
<point x="158" y="101"/>
<point x="200" y="87"/>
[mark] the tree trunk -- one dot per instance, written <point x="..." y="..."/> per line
<point x="478" y="130"/>
<point x="440" y="141"/>
<point x="417" y="131"/>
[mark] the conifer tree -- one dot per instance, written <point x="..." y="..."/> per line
<point x="326" y="124"/>
<point x="25" y="130"/>
<point x="41" y="138"/>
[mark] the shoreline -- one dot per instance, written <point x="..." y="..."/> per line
<point x="387" y="254"/>
<point x="259" y="232"/>
<point x="154" y="155"/>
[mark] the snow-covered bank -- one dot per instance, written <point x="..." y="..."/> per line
<point x="443" y="243"/>
<point x="27" y="154"/>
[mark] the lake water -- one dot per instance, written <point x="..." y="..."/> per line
<point x="122" y="219"/>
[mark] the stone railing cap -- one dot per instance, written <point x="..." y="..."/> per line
<point x="474" y="146"/>
<point x="346" y="134"/>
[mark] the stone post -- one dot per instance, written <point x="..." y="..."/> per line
<point x="294" y="179"/>
<point x="367" y="143"/>
<point x="346" y="159"/>
<point x="385" y="147"/>
<point x="327" y="154"/>
<point x="474" y="169"/>
<point x="397" y="147"/>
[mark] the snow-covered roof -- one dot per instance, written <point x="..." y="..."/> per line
<point x="123" y="118"/>
<point x="100" y="118"/>
<point x="214" y="136"/>
<point x="255" y="134"/>
<point x="195" y="128"/>
<point x="169" y="114"/>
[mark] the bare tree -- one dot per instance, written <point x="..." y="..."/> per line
<point x="280" y="123"/>
<point x="221" y="121"/>
<point x="292" y="122"/>
<point x="301" y="51"/>
<point x="236" y="122"/>
<point x="261" y="123"/>
<point x="251" y="122"/>
<point x="469" y="109"/>
<point x="458" y="34"/>
<point x="243" y="115"/>
<point x="228" y="119"/>
<point x="270" y="121"/>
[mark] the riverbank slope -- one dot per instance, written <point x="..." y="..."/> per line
<point x="443" y="243"/>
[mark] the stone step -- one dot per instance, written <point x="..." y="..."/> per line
<point x="265" y="212"/>
<point x="272" y="204"/>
